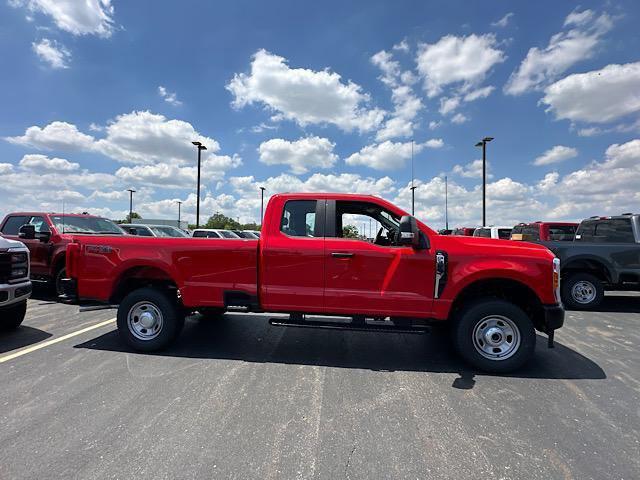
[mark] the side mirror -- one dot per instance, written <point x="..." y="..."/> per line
<point x="27" y="232"/>
<point x="44" y="237"/>
<point x="409" y="233"/>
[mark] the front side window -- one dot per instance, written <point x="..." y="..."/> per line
<point x="13" y="224"/>
<point x="299" y="218"/>
<point x="585" y="231"/>
<point x="367" y="222"/>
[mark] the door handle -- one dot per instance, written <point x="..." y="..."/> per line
<point x="342" y="254"/>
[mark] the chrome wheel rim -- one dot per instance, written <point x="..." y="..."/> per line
<point x="496" y="337"/>
<point x="145" y="321"/>
<point x="583" y="292"/>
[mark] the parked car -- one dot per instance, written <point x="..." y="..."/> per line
<point x="46" y="235"/>
<point x="153" y="230"/>
<point x="245" y="234"/>
<point x="464" y="231"/>
<point x="503" y="233"/>
<point x="213" y="233"/>
<point x="495" y="294"/>
<point x="605" y="255"/>
<point x="15" y="286"/>
<point x="544" y="231"/>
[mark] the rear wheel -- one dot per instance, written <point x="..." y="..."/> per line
<point x="149" y="319"/>
<point x="13" y="316"/>
<point x="494" y="336"/>
<point x="582" y="291"/>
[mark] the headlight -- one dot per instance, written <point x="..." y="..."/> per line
<point x="556" y="278"/>
<point x="18" y="272"/>
<point x="19" y="257"/>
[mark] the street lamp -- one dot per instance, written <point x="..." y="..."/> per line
<point x="446" y="204"/>
<point x="483" y="144"/>
<point x="262" y="189"/>
<point x="200" y="148"/>
<point x="413" y="187"/>
<point x="131" y="192"/>
<point x="179" y="205"/>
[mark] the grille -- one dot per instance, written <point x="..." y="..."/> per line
<point x="5" y="267"/>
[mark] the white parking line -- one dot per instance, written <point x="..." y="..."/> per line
<point x="38" y="346"/>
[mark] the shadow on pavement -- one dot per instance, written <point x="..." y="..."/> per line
<point x="252" y="339"/>
<point x="23" y="336"/>
<point x="44" y="293"/>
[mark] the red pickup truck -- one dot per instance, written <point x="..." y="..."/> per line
<point x="495" y="293"/>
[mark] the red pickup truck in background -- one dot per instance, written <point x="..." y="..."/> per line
<point x="46" y="235"/>
<point x="495" y="293"/>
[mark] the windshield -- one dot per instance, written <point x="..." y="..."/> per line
<point x="87" y="225"/>
<point x="168" y="231"/>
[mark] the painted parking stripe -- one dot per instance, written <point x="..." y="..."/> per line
<point x="47" y="343"/>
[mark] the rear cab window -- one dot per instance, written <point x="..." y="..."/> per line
<point x="504" y="233"/>
<point x="562" y="232"/>
<point x="482" y="232"/>
<point x="614" y="230"/>
<point x="299" y="219"/>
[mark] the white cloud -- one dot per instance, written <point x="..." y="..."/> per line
<point x="459" y="118"/>
<point x="564" y="50"/>
<point x="53" y="53"/>
<point x="303" y="95"/>
<point x="86" y="17"/>
<point x="42" y="163"/>
<point x="457" y="60"/>
<point x="557" y="154"/>
<point x="406" y="104"/>
<point x="403" y="46"/>
<point x="148" y="138"/>
<point x="389" y="155"/>
<point x="479" y="93"/>
<point x="300" y="155"/>
<point x="599" y="96"/>
<point x="448" y="105"/>
<point x="471" y="170"/>
<point x="434" y="124"/>
<point x="5" y="168"/>
<point x="170" y="97"/>
<point x="504" y="21"/>
<point x="59" y="136"/>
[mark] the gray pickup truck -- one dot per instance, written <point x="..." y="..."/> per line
<point x="605" y="255"/>
<point x="15" y="286"/>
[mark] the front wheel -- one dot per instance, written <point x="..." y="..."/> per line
<point x="494" y="335"/>
<point x="60" y="274"/>
<point x="13" y="316"/>
<point x="582" y="291"/>
<point x="149" y="319"/>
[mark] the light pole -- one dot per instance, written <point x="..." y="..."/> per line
<point x="413" y="187"/>
<point x="131" y="192"/>
<point x="483" y="144"/>
<point x="446" y="204"/>
<point x="179" y="205"/>
<point x="262" y="189"/>
<point x="200" y="148"/>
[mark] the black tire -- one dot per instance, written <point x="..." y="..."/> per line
<point x="57" y="281"/>
<point x="155" y="300"/>
<point x="485" y="312"/>
<point x="13" y="316"/>
<point x="586" y="298"/>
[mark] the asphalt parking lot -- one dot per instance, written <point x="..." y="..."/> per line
<point x="238" y="398"/>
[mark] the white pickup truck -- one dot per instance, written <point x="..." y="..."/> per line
<point x="15" y="286"/>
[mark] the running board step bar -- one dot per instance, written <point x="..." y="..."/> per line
<point x="357" y="326"/>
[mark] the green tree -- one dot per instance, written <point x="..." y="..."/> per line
<point x="127" y="219"/>
<point x="350" y="231"/>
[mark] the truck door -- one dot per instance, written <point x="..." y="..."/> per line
<point x="292" y="268"/>
<point x="366" y="272"/>
<point x="40" y="250"/>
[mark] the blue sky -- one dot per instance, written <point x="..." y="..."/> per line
<point x="101" y="96"/>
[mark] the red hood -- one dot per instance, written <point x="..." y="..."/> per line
<point x="493" y="246"/>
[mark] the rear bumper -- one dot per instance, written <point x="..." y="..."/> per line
<point x="553" y="317"/>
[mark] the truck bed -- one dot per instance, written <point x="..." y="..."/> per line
<point x="204" y="268"/>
